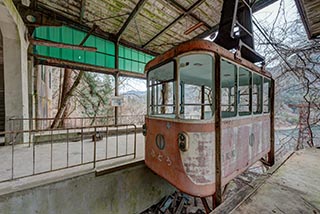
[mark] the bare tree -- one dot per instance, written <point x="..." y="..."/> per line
<point x="295" y="63"/>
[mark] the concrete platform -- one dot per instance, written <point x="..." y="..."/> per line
<point x="291" y="187"/>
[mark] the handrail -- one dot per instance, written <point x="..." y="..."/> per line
<point x="40" y="158"/>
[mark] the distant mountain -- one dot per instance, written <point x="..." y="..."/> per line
<point x="135" y="93"/>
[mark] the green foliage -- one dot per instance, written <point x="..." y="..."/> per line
<point x="94" y="94"/>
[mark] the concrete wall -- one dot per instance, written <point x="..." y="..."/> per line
<point x="15" y="46"/>
<point x="130" y="190"/>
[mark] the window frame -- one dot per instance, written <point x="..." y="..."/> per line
<point x="250" y="91"/>
<point x="269" y="95"/>
<point x="150" y="90"/>
<point x="259" y="110"/>
<point x="236" y="85"/>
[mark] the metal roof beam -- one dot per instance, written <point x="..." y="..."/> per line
<point x="180" y="7"/>
<point x="88" y="35"/>
<point x="258" y="5"/>
<point x="187" y="12"/>
<point x="48" y="43"/>
<point x="133" y="14"/>
<point x="44" y="60"/>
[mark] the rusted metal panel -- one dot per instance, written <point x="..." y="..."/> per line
<point x="167" y="162"/>
<point x="198" y="161"/>
<point x="193" y="171"/>
<point x="242" y="144"/>
<point x="230" y="151"/>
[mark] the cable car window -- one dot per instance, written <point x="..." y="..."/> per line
<point x="256" y="93"/>
<point x="196" y="72"/>
<point x="161" y="91"/>
<point x="228" y="89"/>
<point x="244" y="92"/>
<point x="266" y="95"/>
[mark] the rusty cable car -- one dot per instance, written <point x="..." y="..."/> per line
<point x="210" y="112"/>
<point x="200" y="94"/>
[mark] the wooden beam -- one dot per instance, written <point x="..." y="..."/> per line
<point x="60" y="45"/>
<point x="133" y="14"/>
<point x="199" y="2"/>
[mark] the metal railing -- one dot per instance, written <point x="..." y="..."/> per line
<point x="72" y="122"/>
<point x="34" y="152"/>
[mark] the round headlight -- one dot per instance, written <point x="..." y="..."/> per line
<point x="183" y="141"/>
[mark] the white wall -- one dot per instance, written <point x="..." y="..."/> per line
<point x="15" y="54"/>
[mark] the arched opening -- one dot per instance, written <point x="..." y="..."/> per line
<point x="2" y="103"/>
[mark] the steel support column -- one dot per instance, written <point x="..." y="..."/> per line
<point x="217" y="113"/>
<point x="271" y="154"/>
<point x="116" y="82"/>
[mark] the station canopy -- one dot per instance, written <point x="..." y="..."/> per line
<point x="150" y="27"/>
<point x="153" y="25"/>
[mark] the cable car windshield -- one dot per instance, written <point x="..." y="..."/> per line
<point x="196" y="94"/>
<point x="161" y="99"/>
<point x="193" y="99"/>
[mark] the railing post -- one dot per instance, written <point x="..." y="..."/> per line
<point x="82" y="144"/>
<point x="12" y="154"/>
<point x="33" y="157"/>
<point x="51" y="148"/>
<point x="67" y="147"/>
<point x="94" y="147"/>
<point x="29" y="138"/>
<point x="135" y="142"/>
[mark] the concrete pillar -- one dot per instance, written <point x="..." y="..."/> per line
<point x="15" y="63"/>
